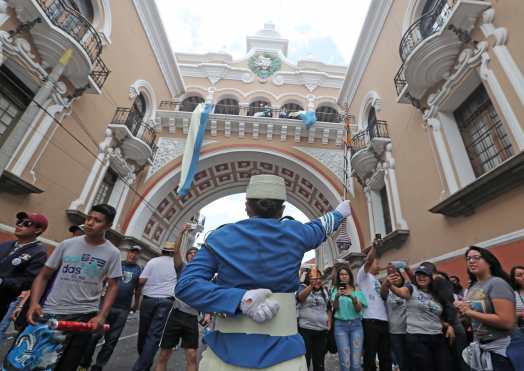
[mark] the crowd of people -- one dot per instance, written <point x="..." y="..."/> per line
<point x="84" y="280"/>
<point x="415" y="320"/>
<point x="245" y="287"/>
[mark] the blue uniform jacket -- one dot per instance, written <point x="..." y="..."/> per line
<point x="251" y="254"/>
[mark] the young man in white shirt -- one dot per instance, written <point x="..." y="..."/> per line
<point x="158" y="280"/>
<point x="376" y="331"/>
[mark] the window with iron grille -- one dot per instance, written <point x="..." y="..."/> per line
<point x="228" y="106"/>
<point x="327" y="114"/>
<point x="106" y="188"/>
<point x="385" y="210"/>
<point x="258" y="106"/>
<point x="189" y="104"/>
<point x="484" y="135"/>
<point x="292" y="107"/>
<point x="14" y="99"/>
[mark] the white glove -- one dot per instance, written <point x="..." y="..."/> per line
<point x="256" y="305"/>
<point x="344" y="208"/>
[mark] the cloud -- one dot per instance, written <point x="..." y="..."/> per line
<point x="231" y="209"/>
<point x="210" y="26"/>
<point x="318" y="48"/>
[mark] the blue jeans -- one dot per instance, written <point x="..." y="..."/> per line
<point x="349" y="336"/>
<point x="6" y="321"/>
<point x="153" y="317"/>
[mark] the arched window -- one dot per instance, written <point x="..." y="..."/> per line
<point x="83" y="7"/>
<point x="372" y="122"/>
<point x="292" y="107"/>
<point x="228" y="106"/>
<point x="428" y="23"/>
<point x="137" y="114"/>
<point x="327" y="114"/>
<point x="189" y="104"/>
<point x="260" y="107"/>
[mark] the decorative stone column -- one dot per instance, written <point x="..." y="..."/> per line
<point x="391" y="182"/>
<point x="96" y="175"/>
<point x="445" y="160"/>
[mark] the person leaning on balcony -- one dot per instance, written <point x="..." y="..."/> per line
<point x="21" y="259"/>
<point x="257" y="262"/>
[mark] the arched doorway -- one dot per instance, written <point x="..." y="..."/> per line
<point x="225" y="171"/>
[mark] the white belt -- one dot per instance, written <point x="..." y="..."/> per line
<point x="283" y="324"/>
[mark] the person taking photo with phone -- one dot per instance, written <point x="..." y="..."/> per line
<point x="314" y="318"/>
<point x="348" y="303"/>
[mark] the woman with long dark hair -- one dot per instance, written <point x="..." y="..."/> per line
<point x="424" y="325"/>
<point x="314" y="318"/>
<point x="517" y="282"/>
<point x="490" y="304"/>
<point x="397" y="310"/>
<point x="348" y="304"/>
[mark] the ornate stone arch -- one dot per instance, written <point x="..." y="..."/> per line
<point x="311" y="187"/>
<point x="262" y="94"/>
<point x="228" y="94"/>
<point x="372" y="99"/>
<point x="146" y="89"/>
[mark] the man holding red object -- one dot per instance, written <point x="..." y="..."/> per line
<point x="81" y="265"/>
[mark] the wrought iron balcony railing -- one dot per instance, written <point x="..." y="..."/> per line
<point x="362" y="139"/>
<point x="428" y="24"/>
<point x="133" y="121"/>
<point x="100" y="72"/>
<point x="266" y="112"/>
<point x="81" y="30"/>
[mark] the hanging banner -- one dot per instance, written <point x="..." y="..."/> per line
<point x="195" y="136"/>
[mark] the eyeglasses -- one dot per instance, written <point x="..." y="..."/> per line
<point x="473" y="258"/>
<point x="25" y="223"/>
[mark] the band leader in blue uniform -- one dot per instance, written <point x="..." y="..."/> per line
<point x="256" y="263"/>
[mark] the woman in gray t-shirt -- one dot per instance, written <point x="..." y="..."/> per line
<point x="427" y="347"/>
<point x="490" y="304"/>
<point x="314" y="318"/>
<point x="397" y="308"/>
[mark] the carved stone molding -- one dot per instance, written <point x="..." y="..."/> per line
<point x="468" y="59"/>
<point x="168" y="150"/>
<point x="333" y="159"/>
<point x="19" y="51"/>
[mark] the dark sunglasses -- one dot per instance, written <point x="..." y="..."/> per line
<point x="25" y="223"/>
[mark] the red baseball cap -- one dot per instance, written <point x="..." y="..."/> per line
<point x="38" y="219"/>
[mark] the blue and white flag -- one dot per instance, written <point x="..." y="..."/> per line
<point x="195" y="136"/>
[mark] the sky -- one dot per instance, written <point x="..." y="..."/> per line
<point x="326" y="31"/>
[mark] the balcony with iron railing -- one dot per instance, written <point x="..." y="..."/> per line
<point x="256" y="122"/>
<point x="367" y="146"/>
<point x="136" y="139"/>
<point x="431" y="45"/>
<point x="62" y="27"/>
<point x="263" y="112"/>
